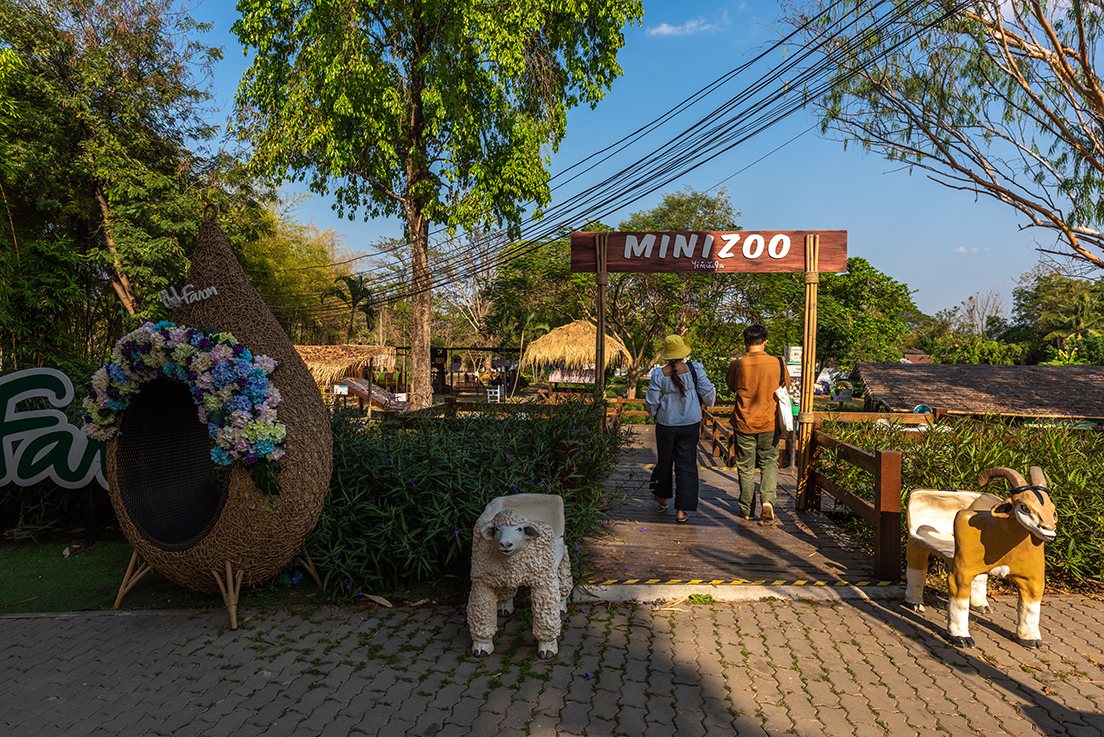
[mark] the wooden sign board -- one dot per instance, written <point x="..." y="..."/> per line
<point x="710" y="252"/>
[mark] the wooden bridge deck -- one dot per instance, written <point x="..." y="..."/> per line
<point x="643" y="545"/>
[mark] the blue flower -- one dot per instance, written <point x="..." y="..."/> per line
<point x="117" y="374"/>
<point x="223" y="374"/>
<point x="220" y="456"/>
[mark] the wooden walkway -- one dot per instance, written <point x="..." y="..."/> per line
<point x="645" y="546"/>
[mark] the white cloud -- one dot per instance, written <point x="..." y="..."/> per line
<point x="690" y="27"/>
<point x="964" y="249"/>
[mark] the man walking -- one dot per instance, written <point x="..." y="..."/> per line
<point x="753" y="379"/>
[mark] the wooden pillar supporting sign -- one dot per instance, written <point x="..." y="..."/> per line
<point x="805" y="499"/>
<point x="601" y="278"/>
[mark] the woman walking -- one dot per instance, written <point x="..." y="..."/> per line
<point x="676" y="392"/>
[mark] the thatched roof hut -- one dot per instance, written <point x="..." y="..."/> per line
<point x="1076" y="391"/>
<point x="329" y="364"/>
<point x="572" y="346"/>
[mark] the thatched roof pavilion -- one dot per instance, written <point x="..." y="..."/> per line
<point x="572" y="346"/>
<point x="329" y="364"/>
<point x="1054" y="391"/>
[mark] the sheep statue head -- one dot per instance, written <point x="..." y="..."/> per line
<point x="510" y="531"/>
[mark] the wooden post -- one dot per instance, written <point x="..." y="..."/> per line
<point x="601" y="279"/>
<point x="371" y="380"/>
<point x="807" y="495"/>
<point x="887" y="508"/>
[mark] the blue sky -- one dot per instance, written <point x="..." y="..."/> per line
<point x="944" y="244"/>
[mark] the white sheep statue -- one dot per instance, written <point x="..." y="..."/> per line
<point x="979" y="535"/>
<point x="518" y="541"/>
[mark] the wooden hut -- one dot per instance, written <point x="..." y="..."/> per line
<point x="1040" y="391"/>
<point x="570" y="350"/>
<point x="572" y="347"/>
<point x="329" y="364"/>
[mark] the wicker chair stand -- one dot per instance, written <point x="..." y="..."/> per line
<point x="206" y="527"/>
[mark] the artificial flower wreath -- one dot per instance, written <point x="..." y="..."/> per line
<point x="229" y="385"/>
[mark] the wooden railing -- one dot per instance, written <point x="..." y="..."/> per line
<point x="884" y="514"/>
<point x="716" y="426"/>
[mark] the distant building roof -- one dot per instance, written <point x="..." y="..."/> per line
<point x="1016" y="390"/>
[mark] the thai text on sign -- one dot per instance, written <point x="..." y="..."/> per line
<point x="766" y="251"/>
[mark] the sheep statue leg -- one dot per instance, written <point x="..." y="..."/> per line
<point x="566" y="584"/>
<point x="506" y="607"/>
<point x="958" y="609"/>
<point x="1027" y="625"/>
<point x="979" y="600"/>
<point x="915" y="576"/>
<point x="482" y="622"/>
<point x="546" y="620"/>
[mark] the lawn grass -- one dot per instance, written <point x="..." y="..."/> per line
<point x="38" y="577"/>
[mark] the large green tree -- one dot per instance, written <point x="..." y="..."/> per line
<point x="100" y="190"/>
<point x="436" y="111"/>
<point x="991" y="98"/>
<point x="108" y="106"/>
<point x="861" y="315"/>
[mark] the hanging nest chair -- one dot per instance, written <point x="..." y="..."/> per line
<point x="208" y="527"/>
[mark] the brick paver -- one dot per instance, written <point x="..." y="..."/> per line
<point x="768" y="668"/>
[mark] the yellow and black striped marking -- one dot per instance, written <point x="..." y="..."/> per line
<point x="734" y="582"/>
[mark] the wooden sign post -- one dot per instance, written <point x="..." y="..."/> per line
<point x="721" y="252"/>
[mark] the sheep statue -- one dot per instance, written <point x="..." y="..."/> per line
<point x="518" y="541"/>
<point x="979" y="535"/>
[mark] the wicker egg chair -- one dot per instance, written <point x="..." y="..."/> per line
<point x="206" y="527"/>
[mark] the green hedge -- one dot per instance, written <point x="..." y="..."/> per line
<point x="403" y="503"/>
<point x="951" y="458"/>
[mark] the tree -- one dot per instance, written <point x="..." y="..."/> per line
<point x="1049" y="305"/>
<point x="861" y="315"/>
<point x="441" y="112"/>
<point x="991" y="98"/>
<point x="358" y="297"/>
<point x="107" y="110"/>
<point x="951" y="336"/>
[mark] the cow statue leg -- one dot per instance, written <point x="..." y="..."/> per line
<point x="915" y="576"/>
<point x="979" y="600"/>
<point x="958" y="609"/>
<point x="1027" y="624"/>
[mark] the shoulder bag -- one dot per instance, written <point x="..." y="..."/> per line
<point x="694" y="378"/>
<point x="782" y="397"/>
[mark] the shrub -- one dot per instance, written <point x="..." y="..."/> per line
<point x="403" y="503"/>
<point x="953" y="459"/>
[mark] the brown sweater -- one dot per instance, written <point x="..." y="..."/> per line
<point x="754" y="378"/>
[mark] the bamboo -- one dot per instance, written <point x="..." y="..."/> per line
<point x="231" y="589"/>
<point x="308" y="566"/>
<point x="131" y="577"/>
<point x="601" y="279"/>
<point x="807" y="495"/>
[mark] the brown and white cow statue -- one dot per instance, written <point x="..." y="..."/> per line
<point x="988" y="536"/>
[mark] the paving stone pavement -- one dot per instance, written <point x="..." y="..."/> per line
<point x="768" y="667"/>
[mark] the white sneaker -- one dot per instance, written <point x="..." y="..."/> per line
<point x="768" y="513"/>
